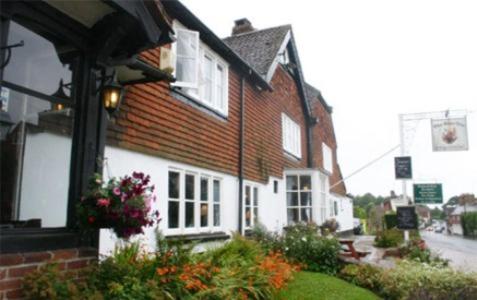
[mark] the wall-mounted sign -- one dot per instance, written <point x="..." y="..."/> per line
<point x="4" y="97"/>
<point x="428" y="193"/>
<point x="403" y="167"/>
<point x="449" y="134"/>
<point x="406" y="217"/>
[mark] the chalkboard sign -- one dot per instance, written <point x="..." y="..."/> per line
<point x="406" y="217"/>
<point x="403" y="167"/>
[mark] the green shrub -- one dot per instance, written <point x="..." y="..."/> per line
<point x="411" y="280"/>
<point x="366" y="276"/>
<point x="417" y="252"/>
<point x="393" y="237"/>
<point x="302" y="244"/>
<point x="469" y="224"/>
<point x="390" y="220"/>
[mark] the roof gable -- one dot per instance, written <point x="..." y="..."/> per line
<point x="260" y="48"/>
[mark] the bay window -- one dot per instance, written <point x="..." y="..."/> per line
<point x="299" y="198"/>
<point x="291" y="136"/>
<point x="200" y="72"/>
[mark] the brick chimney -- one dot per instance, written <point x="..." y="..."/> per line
<point x="242" y="26"/>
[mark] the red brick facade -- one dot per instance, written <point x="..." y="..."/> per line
<point x="13" y="267"/>
<point x="323" y="132"/>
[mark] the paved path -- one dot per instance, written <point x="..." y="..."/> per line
<point x="461" y="252"/>
<point x="365" y="243"/>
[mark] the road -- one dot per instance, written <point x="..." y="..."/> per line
<point x="461" y="252"/>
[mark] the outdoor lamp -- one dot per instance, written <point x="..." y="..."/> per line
<point x="60" y="95"/>
<point x="111" y="95"/>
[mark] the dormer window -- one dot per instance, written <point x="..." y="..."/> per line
<point x="200" y="72"/>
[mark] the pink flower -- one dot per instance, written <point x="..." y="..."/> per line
<point x="116" y="191"/>
<point x="103" y="202"/>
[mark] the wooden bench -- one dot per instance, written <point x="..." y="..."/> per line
<point x="350" y="251"/>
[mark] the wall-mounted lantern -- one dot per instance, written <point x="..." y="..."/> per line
<point x="60" y="95"/>
<point x="111" y="96"/>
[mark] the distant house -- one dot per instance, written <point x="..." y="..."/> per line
<point x="424" y="214"/>
<point x="454" y="218"/>
<point x="393" y="201"/>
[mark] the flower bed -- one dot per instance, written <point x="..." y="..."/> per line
<point x="238" y="270"/>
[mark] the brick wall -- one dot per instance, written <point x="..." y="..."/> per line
<point x="13" y="267"/>
<point x="152" y="121"/>
<point x="324" y="132"/>
<point x="264" y="155"/>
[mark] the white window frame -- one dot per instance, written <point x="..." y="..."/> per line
<point x="327" y="158"/>
<point x="197" y="90"/>
<point x="291" y="136"/>
<point x="197" y="228"/>
<point x="299" y="206"/>
<point x="253" y="216"/>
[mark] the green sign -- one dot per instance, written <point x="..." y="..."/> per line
<point x="428" y="193"/>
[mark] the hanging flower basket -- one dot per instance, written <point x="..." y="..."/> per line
<point x="123" y="205"/>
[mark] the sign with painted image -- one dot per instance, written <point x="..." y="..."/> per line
<point x="449" y="134"/>
<point x="403" y="167"/>
<point x="406" y="217"/>
<point x="428" y="193"/>
<point x="4" y="98"/>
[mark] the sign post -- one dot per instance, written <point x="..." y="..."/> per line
<point x="406" y="217"/>
<point x="403" y="167"/>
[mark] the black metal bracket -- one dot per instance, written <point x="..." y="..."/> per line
<point x="9" y="52"/>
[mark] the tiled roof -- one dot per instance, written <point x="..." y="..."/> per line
<point x="259" y="48"/>
<point x="313" y="94"/>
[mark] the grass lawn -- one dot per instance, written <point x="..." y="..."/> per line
<point x="316" y="286"/>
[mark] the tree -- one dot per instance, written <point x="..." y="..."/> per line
<point x="359" y="212"/>
<point x="437" y="214"/>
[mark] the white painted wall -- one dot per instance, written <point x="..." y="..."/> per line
<point x="45" y="178"/>
<point x="272" y="207"/>
<point x="345" y="212"/>
<point x="122" y="162"/>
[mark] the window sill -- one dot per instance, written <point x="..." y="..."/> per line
<point x="291" y="156"/>
<point x="177" y="93"/>
<point x="199" y="237"/>
<point x="41" y="239"/>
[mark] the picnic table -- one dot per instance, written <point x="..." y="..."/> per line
<point x="350" y="251"/>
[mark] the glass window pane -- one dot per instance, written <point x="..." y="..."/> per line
<point x="37" y="65"/>
<point x="35" y="158"/>
<point x="173" y="185"/>
<point x="305" y="198"/>
<point x="247" y="195"/>
<point x="189" y="185"/>
<point x="208" y="81"/>
<point x="173" y="214"/>
<point x="204" y="189"/>
<point x="306" y="214"/>
<point x="292" y="198"/>
<point x="255" y="196"/>
<point x="204" y="215"/>
<point x="216" y="215"/>
<point x="292" y="183"/>
<point x="189" y="214"/>
<point x="305" y="183"/>
<point x="248" y="217"/>
<point x="216" y="191"/>
<point x="292" y="215"/>
<point x="255" y="215"/>
<point x="185" y="69"/>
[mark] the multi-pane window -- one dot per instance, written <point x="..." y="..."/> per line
<point x="291" y="136"/>
<point x="199" y="71"/>
<point x="299" y="203"/>
<point x="36" y="128"/>
<point x="251" y="205"/>
<point x="194" y="201"/>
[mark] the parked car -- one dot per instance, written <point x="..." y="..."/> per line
<point x="440" y="229"/>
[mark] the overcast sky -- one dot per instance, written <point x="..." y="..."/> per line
<point x="372" y="60"/>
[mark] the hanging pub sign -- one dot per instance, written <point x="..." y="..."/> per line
<point x="449" y="134"/>
<point x="403" y="167"/>
<point x="406" y="217"/>
<point x="428" y="193"/>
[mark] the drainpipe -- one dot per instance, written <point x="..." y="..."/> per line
<point x="309" y="140"/>
<point x="241" y="155"/>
